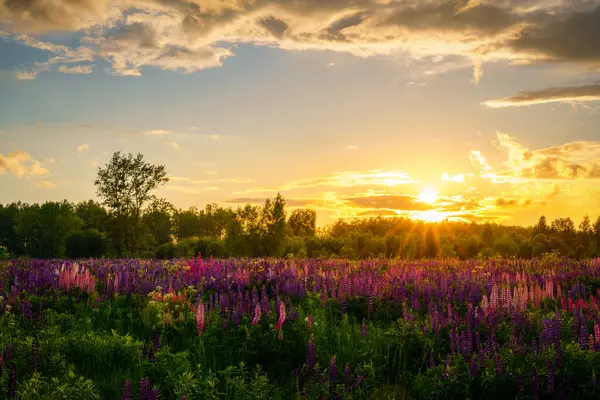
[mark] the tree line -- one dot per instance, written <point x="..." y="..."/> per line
<point x="129" y="221"/>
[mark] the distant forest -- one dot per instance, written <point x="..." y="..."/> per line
<point x="130" y="222"/>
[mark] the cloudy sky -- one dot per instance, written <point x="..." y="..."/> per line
<point x="467" y="109"/>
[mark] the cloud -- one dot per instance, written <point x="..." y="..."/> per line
<point x="173" y="145"/>
<point x="157" y="132"/>
<point x="584" y="93"/>
<point x="388" y="178"/>
<point x="191" y="181"/>
<point x="83" y="147"/>
<point x="25" y="75"/>
<point x="80" y="69"/>
<point x="191" y="189"/>
<point x="331" y="64"/>
<point x="458" y="178"/>
<point x="352" y="147"/>
<point x="46" y="185"/>
<point x="189" y="35"/>
<point x="21" y="164"/>
<point x="390" y="202"/>
<point x="261" y="200"/>
<point x="570" y="161"/>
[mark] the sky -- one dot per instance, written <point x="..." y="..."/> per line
<point x="473" y="110"/>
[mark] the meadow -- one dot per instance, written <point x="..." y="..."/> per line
<point x="299" y="329"/>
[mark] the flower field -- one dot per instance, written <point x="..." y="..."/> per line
<point x="299" y="329"/>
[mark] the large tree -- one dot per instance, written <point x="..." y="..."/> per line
<point x="125" y="186"/>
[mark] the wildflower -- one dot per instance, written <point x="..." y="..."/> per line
<point x="309" y="321"/>
<point x="363" y="329"/>
<point x="281" y="319"/>
<point x="473" y="368"/>
<point x="347" y="377"/>
<point x="257" y="314"/>
<point x="156" y="342"/>
<point x="200" y="318"/>
<point x="12" y="382"/>
<point x="126" y="390"/>
<point x="310" y="355"/>
<point x="333" y="371"/>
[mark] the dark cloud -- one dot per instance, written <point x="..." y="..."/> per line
<point x="274" y="25"/>
<point x="440" y="16"/>
<point x="569" y="36"/>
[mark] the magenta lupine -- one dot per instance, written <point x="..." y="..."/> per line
<point x="281" y="320"/>
<point x="309" y="321"/>
<point x="200" y="318"/>
<point x="257" y="315"/>
<point x="126" y="390"/>
<point x="26" y="310"/>
<point x="154" y="394"/>
<point x="473" y="368"/>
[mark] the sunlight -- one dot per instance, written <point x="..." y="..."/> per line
<point x="428" y="195"/>
<point x="430" y="216"/>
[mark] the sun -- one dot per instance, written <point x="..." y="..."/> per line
<point x="428" y="195"/>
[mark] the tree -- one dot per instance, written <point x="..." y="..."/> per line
<point x="541" y="227"/>
<point x="44" y="229"/>
<point x="93" y="215"/>
<point x="506" y="246"/>
<point x="273" y="225"/>
<point x="303" y="222"/>
<point x="8" y="228"/>
<point x="125" y="186"/>
<point x="157" y="220"/>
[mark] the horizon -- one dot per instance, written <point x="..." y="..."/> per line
<point x="467" y="110"/>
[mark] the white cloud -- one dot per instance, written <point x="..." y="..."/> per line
<point x="173" y="145"/>
<point x="352" y="147"/>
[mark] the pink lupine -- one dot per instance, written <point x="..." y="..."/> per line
<point x="257" y="314"/>
<point x="310" y="322"/>
<point x="280" y="321"/>
<point x="200" y="318"/>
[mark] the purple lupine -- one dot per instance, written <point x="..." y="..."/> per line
<point x="40" y="314"/>
<point x="482" y="358"/>
<point x="582" y="337"/>
<point x="35" y="353"/>
<point x="520" y="383"/>
<point x="12" y="383"/>
<point x="535" y="384"/>
<point x="333" y="371"/>
<point x="550" y="376"/>
<point x="8" y="351"/>
<point x="145" y="389"/>
<point x="499" y="369"/>
<point x="473" y="368"/>
<point x="26" y="310"/>
<point x="126" y="390"/>
<point x="347" y="376"/>
<point x="154" y="394"/>
<point x="156" y="342"/>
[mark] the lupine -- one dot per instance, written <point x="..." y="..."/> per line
<point x="26" y="310"/>
<point x="363" y="329"/>
<point x="200" y="318"/>
<point x="281" y="320"/>
<point x="126" y="390"/>
<point x="333" y="371"/>
<point x="550" y="376"/>
<point x="347" y="376"/>
<point x="156" y="342"/>
<point x="310" y="354"/>
<point x="257" y="314"/>
<point x="12" y="382"/>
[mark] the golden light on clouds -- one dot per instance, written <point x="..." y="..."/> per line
<point x="519" y="186"/>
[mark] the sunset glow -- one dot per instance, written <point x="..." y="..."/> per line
<point x="428" y="195"/>
<point x="420" y="109"/>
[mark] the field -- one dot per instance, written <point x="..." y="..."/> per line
<point x="299" y="329"/>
